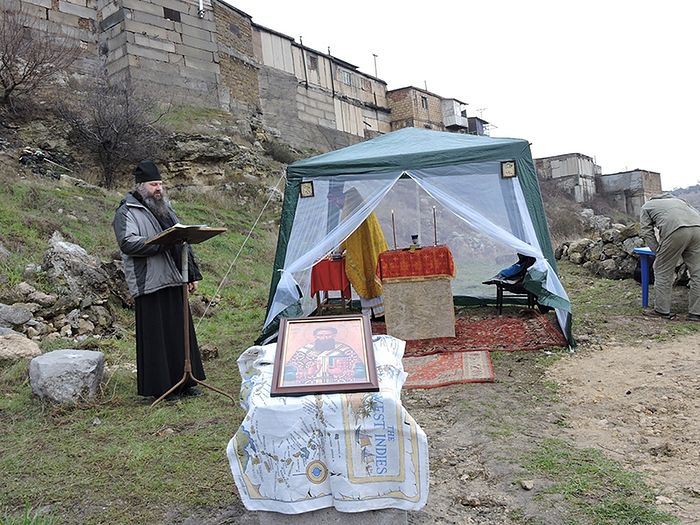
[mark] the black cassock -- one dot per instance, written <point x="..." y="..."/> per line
<point x="160" y="350"/>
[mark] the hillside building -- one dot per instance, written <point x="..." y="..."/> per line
<point x="573" y="172"/>
<point x="478" y="126"/>
<point x="213" y="54"/>
<point x="580" y="176"/>
<point x="418" y="108"/>
<point x="629" y="190"/>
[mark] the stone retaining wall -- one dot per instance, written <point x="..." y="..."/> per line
<point x="610" y="256"/>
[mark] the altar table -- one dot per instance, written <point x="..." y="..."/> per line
<point x="418" y="292"/>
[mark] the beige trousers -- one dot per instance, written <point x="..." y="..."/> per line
<point x="684" y="243"/>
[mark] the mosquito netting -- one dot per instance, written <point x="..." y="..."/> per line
<point x="482" y="217"/>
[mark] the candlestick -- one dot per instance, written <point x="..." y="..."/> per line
<point x="434" y="228"/>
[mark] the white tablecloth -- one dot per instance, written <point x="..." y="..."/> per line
<point x="355" y="452"/>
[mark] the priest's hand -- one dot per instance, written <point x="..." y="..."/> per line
<point x="192" y="287"/>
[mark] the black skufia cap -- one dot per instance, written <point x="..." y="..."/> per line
<point x="146" y="171"/>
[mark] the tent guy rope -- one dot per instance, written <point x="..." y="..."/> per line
<point x="252" y="228"/>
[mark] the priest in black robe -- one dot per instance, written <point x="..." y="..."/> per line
<point x="153" y="274"/>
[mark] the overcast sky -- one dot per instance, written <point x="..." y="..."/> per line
<point x="616" y="80"/>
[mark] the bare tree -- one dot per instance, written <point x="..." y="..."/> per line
<point x="116" y="124"/>
<point x="29" y="58"/>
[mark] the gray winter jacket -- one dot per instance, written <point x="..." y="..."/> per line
<point x="148" y="268"/>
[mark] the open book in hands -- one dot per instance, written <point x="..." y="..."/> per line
<point x="189" y="233"/>
<point x="180" y="226"/>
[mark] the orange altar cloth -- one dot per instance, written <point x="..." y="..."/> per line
<point x="406" y="265"/>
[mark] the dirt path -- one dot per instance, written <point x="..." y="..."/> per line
<point x="638" y="404"/>
<point x="642" y="405"/>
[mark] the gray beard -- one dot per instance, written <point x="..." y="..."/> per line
<point x="158" y="207"/>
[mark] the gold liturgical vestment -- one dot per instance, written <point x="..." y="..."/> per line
<point x="362" y="251"/>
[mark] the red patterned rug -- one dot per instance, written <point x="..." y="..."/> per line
<point x="505" y="333"/>
<point x="451" y="368"/>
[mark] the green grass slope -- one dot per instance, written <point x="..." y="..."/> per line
<point x="118" y="460"/>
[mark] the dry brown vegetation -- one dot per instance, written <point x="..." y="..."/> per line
<point x="29" y="59"/>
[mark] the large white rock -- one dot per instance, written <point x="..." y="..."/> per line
<point x="15" y="346"/>
<point x="67" y="376"/>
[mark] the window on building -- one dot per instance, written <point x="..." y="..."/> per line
<point x="171" y="14"/>
<point x="366" y="85"/>
<point x="313" y="61"/>
<point x="345" y="77"/>
<point x="424" y="102"/>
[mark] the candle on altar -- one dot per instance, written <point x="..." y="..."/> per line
<point x="434" y="228"/>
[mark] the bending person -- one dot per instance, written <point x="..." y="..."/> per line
<point x="678" y="224"/>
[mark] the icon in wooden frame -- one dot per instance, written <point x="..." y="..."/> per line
<point x="324" y="355"/>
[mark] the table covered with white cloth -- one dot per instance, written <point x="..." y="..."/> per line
<point x="355" y="452"/>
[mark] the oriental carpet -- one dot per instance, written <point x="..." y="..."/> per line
<point x="450" y="368"/>
<point x="504" y="333"/>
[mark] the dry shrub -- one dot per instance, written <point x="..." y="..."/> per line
<point x="116" y="124"/>
<point x="29" y="58"/>
<point x="562" y="213"/>
<point x="280" y="151"/>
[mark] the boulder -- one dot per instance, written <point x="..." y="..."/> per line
<point x="67" y="376"/>
<point x="11" y="315"/>
<point x="612" y="250"/>
<point x="595" y="252"/>
<point x="579" y="246"/>
<point x="576" y="258"/>
<point x="70" y="268"/>
<point x="630" y="243"/>
<point x="611" y="235"/>
<point x="15" y="346"/>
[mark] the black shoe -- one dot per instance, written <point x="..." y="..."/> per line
<point x="172" y="397"/>
<point x="192" y="391"/>
<point x="693" y="317"/>
<point x="650" y="312"/>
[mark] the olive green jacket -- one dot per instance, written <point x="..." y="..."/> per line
<point x="666" y="213"/>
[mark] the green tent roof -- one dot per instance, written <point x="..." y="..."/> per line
<point x="409" y="148"/>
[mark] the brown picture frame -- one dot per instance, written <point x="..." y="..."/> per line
<point x="324" y="355"/>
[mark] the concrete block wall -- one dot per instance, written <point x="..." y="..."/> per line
<point x="277" y="88"/>
<point x="432" y="116"/>
<point x="70" y="22"/>
<point x="316" y="106"/>
<point x="651" y="182"/>
<point x="401" y="106"/>
<point x="629" y="190"/>
<point x="169" y="50"/>
<point x="239" y="69"/>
